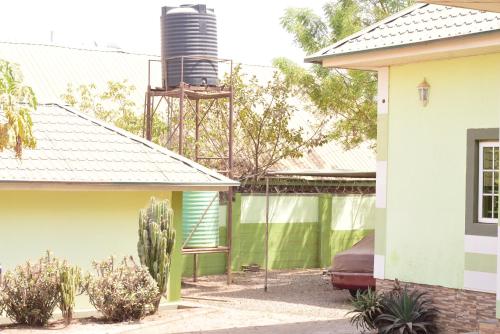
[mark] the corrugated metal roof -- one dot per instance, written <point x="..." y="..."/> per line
<point x="49" y="68"/>
<point x="75" y="148"/>
<point x="332" y="156"/>
<point x="417" y="24"/>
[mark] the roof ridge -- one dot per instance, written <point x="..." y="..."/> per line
<point x="80" y="48"/>
<point x="370" y="28"/>
<point x="145" y="142"/>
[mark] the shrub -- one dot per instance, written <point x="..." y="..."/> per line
<point x="70" y="285"/>
<point x="156" y="242"/>
<point x="31" y="292"/>
<point x="406" y="312"/>
<point x="121" y="292"/>
<point x="367" y="306"/>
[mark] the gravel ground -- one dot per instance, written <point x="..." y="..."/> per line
<point x="300" y="301"/>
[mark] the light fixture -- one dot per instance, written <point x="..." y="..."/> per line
<point x="423" y="92"/>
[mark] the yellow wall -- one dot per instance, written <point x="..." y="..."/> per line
<point x="427" y="164"/>
<point x="77" y="226"/>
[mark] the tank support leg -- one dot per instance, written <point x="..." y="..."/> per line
<point x="195" y="267"/>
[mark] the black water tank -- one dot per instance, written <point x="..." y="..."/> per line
<point x="188" y="30"/>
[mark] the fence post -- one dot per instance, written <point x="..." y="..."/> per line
<point x="324" y="230"/>
<point x="235" y="246"/>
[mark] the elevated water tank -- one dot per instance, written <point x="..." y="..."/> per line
<point x="188" y="30"/>
<point x="194" y="204"/>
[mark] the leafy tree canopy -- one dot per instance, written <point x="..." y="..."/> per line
<point x="17" y="101"/>
<point x="263" y="133"/>
<point x="263" y="129"/>
<point x="347" y="96"/>
<point x="112" y="104"/>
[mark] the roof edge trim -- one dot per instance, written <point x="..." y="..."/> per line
<point x="318" y="56"/>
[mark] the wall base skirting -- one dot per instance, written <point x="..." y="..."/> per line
<point x="489" y="327"/>
<point x="460" y="310"/>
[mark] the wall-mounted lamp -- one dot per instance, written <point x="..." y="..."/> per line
<point x="423" y="92"/>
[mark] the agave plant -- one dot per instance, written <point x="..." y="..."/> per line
<point x="367" y="307"/>
<point x="406" y="312"/>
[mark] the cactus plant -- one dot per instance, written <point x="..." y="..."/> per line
<point x="156" y="242"/>
<point x="70" y="279"/>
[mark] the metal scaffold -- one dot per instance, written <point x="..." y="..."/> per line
<point x="185" y="109"/>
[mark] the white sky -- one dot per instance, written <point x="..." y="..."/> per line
<point x="248" y="31"/>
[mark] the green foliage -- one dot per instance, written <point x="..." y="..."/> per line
<point x="367" y="307"/>
<point x="406" y="312"/>
<point x="70" y="285"/>
<point x="31" y="292"/>
<point x="17" y="101"/>
<point x="263" y="130"/>
<point x="266" y="135"/>
<point x="123" y="291"/>
<point x="113" y="105"/>
<point x="156" y="242"/>
<point x="347" y="96"/>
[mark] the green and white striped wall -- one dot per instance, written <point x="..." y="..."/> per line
<point x="422" y="173"/>
<point x="480" y="263"/>
<point x="305" y="231"/>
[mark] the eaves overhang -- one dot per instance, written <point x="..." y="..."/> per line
<point x="115" y="186"/>
<point x="372" y="59"/>
<point x="484" y="5"/>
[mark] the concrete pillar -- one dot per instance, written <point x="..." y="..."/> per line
<point x="174" y="282"/>
<point x="235" y="250"/>
<point x="324" y="230"/>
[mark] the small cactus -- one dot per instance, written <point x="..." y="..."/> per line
<point x="156" y="242"/>
<point x="70" y="282"/>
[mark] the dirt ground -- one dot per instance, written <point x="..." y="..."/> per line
<point x="300" y="301"/>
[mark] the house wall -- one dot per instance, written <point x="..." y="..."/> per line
<point x="305" y="231"/>
<point x="77" y="226"/>
<point x="423" y="239"/>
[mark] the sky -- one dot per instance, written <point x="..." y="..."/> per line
<point x="248" y="31"/>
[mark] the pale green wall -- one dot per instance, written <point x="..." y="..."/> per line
<point x="289" y="208"/>
<point x="353" y="212"/>
<point x="427" y="160"/>
<point x="77" y="226"/>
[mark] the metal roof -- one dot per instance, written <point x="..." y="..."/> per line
<point x="49" y="68"/>
<point x="417" y="24"/>
<point x="324" y="173"/>
<point x="333" y="157"/>
<point x="73" y="147"/>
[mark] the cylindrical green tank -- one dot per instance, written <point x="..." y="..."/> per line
<point x="194" y="204"/>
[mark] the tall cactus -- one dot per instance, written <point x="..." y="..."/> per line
<point x="156" y="242"/>
<point x="70" y="279"/>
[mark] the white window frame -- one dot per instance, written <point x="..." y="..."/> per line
<point x="480" y="217"/>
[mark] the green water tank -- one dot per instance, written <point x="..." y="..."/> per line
<point x="194" y="204"/>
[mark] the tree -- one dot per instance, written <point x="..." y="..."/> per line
<point x="348" y="96"/>
<point x="263" y="134"/>
<point x="17" y="101"/>
<point x="113" y="105"/>
<point x="263" y="131"/>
